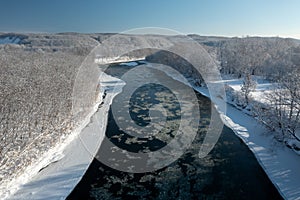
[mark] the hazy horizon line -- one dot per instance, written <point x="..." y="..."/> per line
<point x="199" y="34"/>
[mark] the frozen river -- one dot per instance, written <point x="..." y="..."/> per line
<point x="229" y="171"/>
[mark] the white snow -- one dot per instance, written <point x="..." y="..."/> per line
<point x="109" y="60"/>
<point x="57" y="179"/>
<point x="263" y="86"/>
<point x="10" y="40"/>
<point x="294" y="143"/>
<point x="259" y="97"/>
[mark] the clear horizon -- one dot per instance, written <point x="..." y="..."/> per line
<point x="232" y="18"/>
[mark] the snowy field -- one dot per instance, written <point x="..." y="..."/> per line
<point x="262" y="86"/>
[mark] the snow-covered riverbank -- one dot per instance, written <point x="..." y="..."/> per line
<point x="280" y="163"/>
<point x="56" y="178"/>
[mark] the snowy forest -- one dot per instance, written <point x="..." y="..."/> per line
<point x="277" y="61"/>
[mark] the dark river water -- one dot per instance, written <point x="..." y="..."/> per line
<point x="229" y="171"/>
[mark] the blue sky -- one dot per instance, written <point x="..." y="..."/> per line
<point x="205" y="17"/>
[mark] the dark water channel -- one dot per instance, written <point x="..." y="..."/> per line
<point x="230" y="171"/>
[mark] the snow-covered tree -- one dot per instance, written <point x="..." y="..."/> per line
<point x="282" y="111"/>
<point x="36" y="85"/>
<point x="248" y="86"/>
